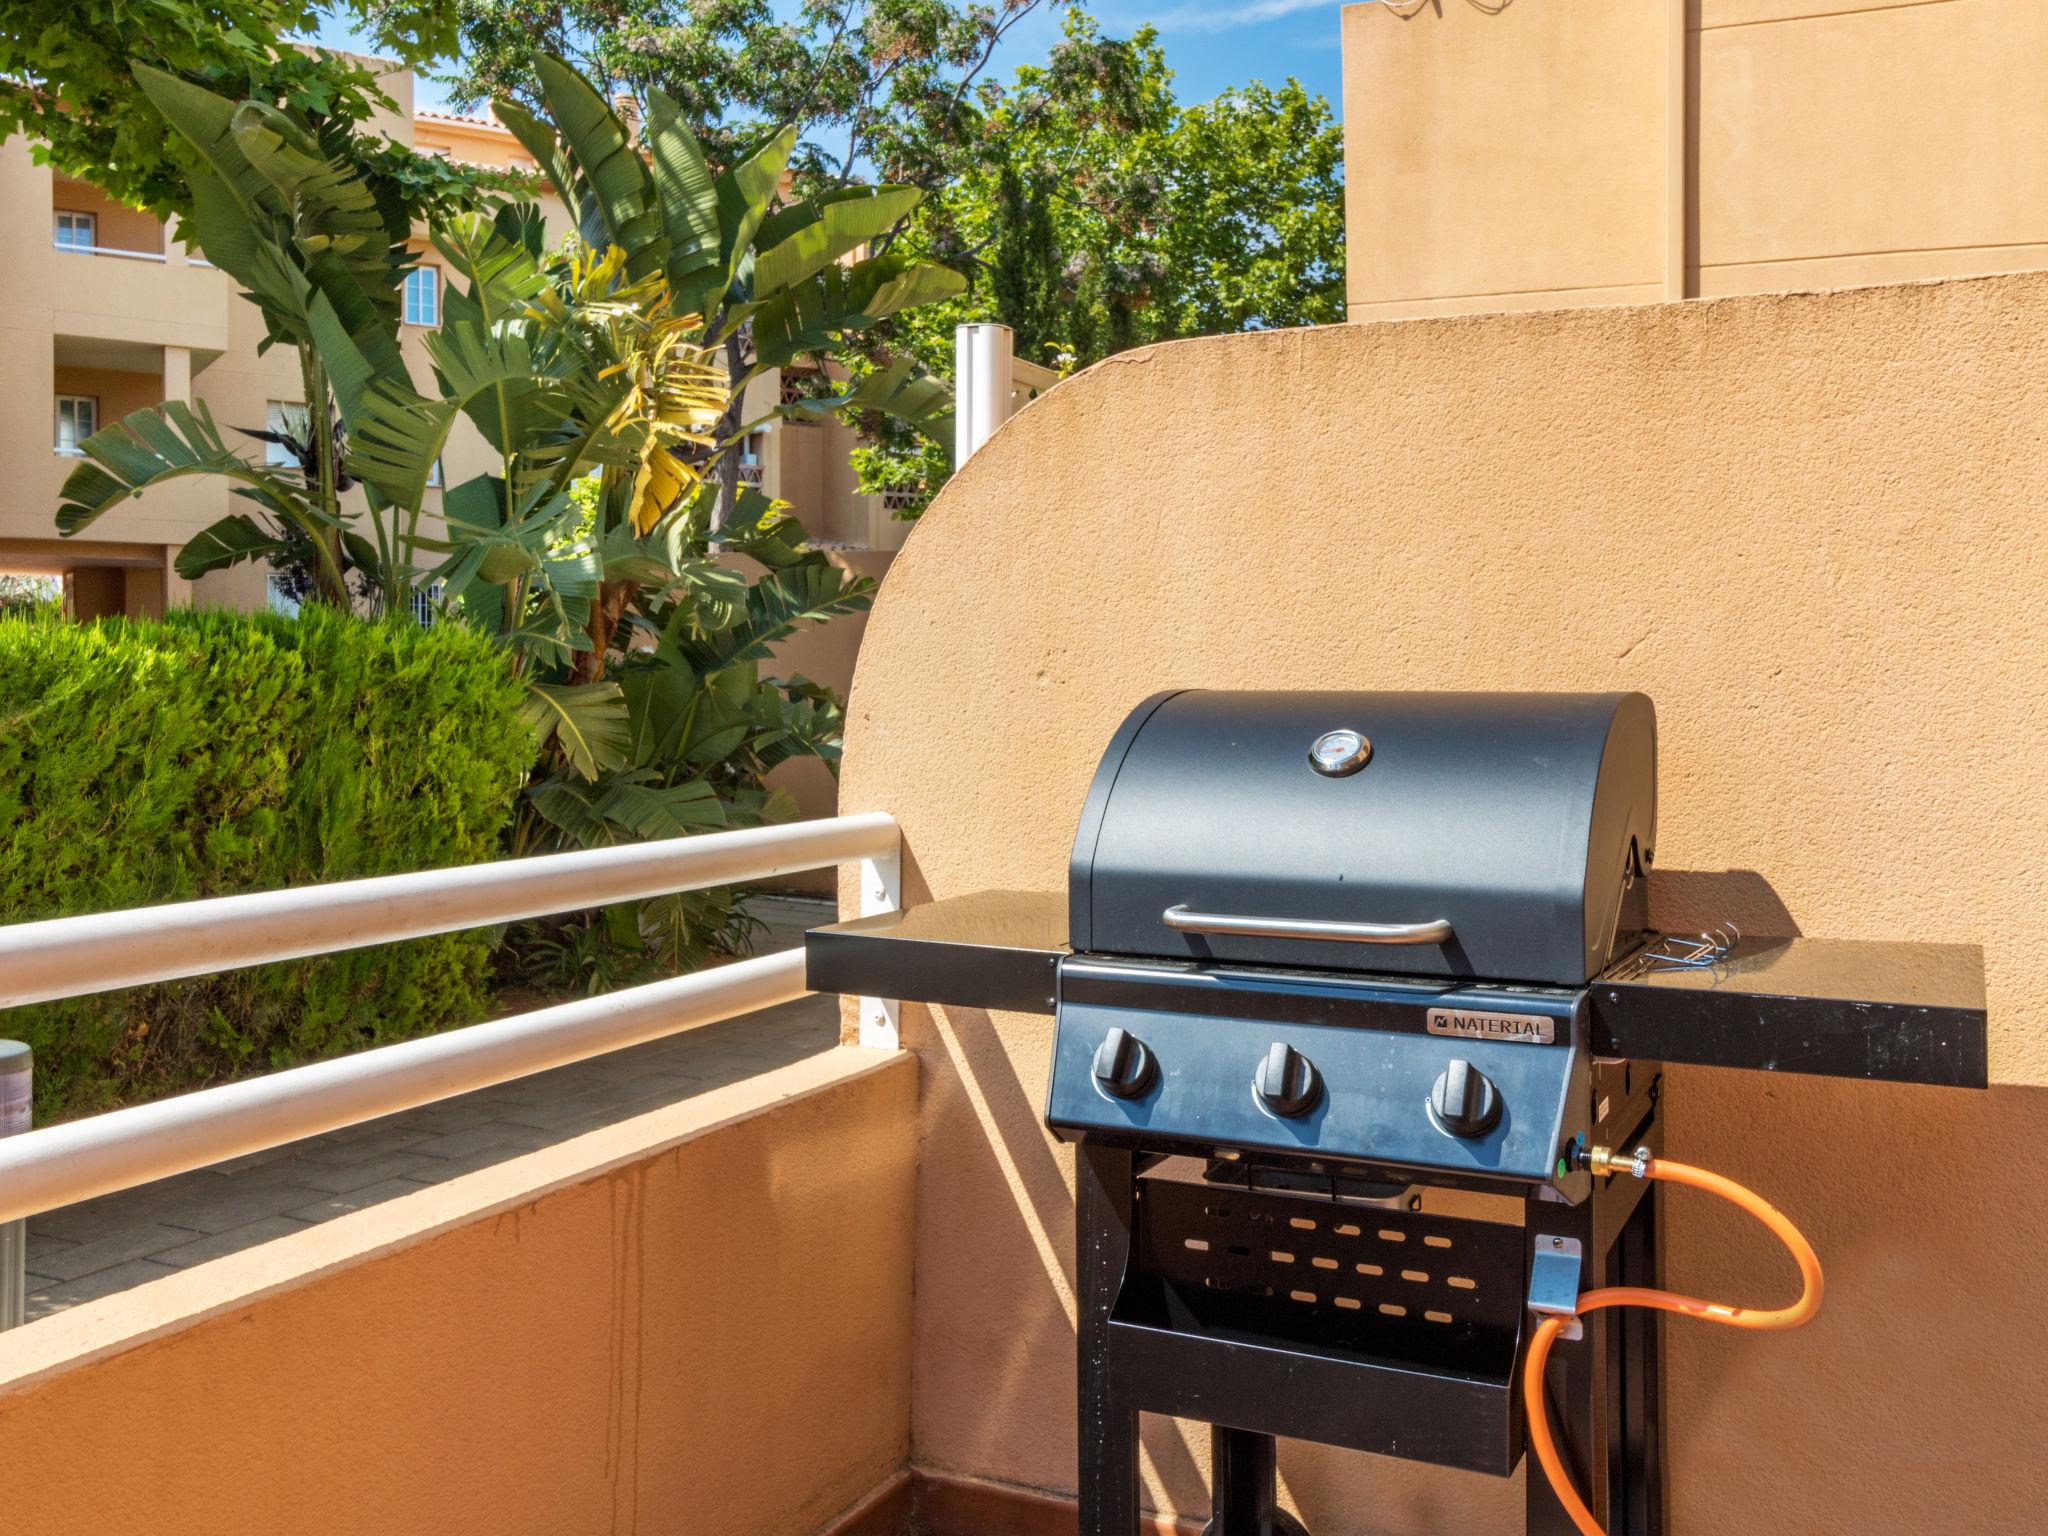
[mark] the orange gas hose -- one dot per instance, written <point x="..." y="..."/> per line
<point x="1800" y="1311"/>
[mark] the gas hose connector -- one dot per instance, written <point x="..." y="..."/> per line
<point x="1604" y="1163"/>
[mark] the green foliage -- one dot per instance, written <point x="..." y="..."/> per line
<point x="1094" y="213"/>
<point x="144" y="762"/>
<point x="884" y="83"/>
<point x="287" y="205"/>
<point x="66" y="82"/>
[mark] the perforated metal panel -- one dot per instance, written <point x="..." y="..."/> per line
<point x="1398" y="1285"/>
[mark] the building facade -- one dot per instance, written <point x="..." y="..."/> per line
<point x="107" y="311"/>
<point x="1547" y="155"/>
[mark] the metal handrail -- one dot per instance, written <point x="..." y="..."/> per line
<point x="81" y="1159"/>
<point x="106" y="951"/>
<point x="110" y="250"/>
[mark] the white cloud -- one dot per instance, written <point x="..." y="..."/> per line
<point x="1210" y="16"/>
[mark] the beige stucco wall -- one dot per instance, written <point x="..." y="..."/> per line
<point x="1812" y="529"/>
<point x="696" y="1321"/>
<point x="1615" y="151"/>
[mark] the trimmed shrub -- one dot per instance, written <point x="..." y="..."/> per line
<point x="211" y="753"/>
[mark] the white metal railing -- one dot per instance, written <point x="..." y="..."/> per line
<point x="109" y="250"/>
<point x="76" y="956"/>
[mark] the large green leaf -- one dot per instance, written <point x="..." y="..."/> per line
<point x="898" y="390"/>
<point x="688" y="195"/>
<point x="612" y="169"/>
<point x="809" y="315"/>
<point x="800" y="241"/>
<point x="148" y="448"/>
<point x="587" y="721"/>
<point x="745" y="192"/>
<point x="778" y="605"/>
<point x="233" y="539"/>
<point x="540" y="141"/>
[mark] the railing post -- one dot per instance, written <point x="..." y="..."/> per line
<point x="17" y="1063"/>
<point x="982" y="385"/>
<point x="881" y="890"/>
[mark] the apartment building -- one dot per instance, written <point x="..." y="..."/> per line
<point x="108" y="311"/>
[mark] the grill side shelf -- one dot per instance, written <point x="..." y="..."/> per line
<point x="989" y="949"/>
<point x="1903" y="1013"/>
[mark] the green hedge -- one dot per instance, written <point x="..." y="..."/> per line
<point x="211" y="753"/>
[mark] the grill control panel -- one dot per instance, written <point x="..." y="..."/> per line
<point x="1347" y="1072"/>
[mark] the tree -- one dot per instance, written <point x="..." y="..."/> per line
<point x="888" y="86"/>
<point x="66" y="82"/>
<point x="287" y="209"/>
<point x="1096" y="214"/>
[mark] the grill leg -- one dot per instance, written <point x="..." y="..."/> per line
<point x="1638" y="1508"/>
<point x="1106" y="1187"/>
<point x="1246" y="1495"/>
<point x="1606" y="1390"/>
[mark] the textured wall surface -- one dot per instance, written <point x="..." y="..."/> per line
<point x="1538" y="156"/>
<point x="705" y="1331"/>
<point x="1812" y="528"/>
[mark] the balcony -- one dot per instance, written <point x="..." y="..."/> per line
<point x="153" y="298"/>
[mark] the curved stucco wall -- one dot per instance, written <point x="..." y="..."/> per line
<point x="1815" y="530"/>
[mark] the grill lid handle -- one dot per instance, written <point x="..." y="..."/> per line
<point x="1181" y="920"/>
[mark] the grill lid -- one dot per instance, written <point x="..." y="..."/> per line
<point x="1495" y="835"/>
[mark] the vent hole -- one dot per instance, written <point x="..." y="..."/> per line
<point x="1393" y="1311"/>
<point x="1348" y="1303"/>
<point x="1438" y="1317"/>
<point x="1414" y="1274"/>
<point x="1282" y="1258"/>
<point x="1370" y="1269"/>
<point x="1389" y="1235"/>
<point x="1302" y="1295"/>
<point x="1324" y="1263"/>
<point x="1437" y="1242"/>
<point x="1199" y="1244"/>
<point x="1302" y="1222"/>
<point x="1347" y="1230"/>
<point x="1461" y="1283"/>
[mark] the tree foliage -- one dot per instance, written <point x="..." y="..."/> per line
<point x="887" y="87"/>
<point x="1095" y="213"/>
<point x="212" y="753"/>
<point x="66" y="81"/>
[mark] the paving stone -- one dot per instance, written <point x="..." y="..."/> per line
<point x="234" y="1240"/>
<point x="357" y="1199"/>
<point x="463" y="1144"/>
<point x="117" y="1247"/>
<point x="237" y="1203"/>
<point x="340" y="1178"/>
<point x="59" y="1294"/>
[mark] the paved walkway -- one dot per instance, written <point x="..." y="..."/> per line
<point x="102" y="1246"/>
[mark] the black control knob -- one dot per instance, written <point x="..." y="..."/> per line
<point x="1287" y="1082"/>
<point x="1123" y="1067"/>
<point x="1464" y="1101"/>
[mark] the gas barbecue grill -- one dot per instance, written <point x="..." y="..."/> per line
<point x="1334" y="968"/>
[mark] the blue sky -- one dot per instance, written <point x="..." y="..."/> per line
<point x="1210" y="44"/>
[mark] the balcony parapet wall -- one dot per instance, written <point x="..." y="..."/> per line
<point x="697" y="1319"/>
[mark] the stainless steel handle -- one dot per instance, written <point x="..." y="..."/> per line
<point x="1181" y="920"/>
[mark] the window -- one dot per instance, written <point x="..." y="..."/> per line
<point x="77" y="231"/>
<point x="423" y="296"/>
<point x="434" y="473"/>
<point x="288" y="419"/>
<point x="426" y="605"/>
<point x="78" y="417"/>
<point x="752" y="447"/>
